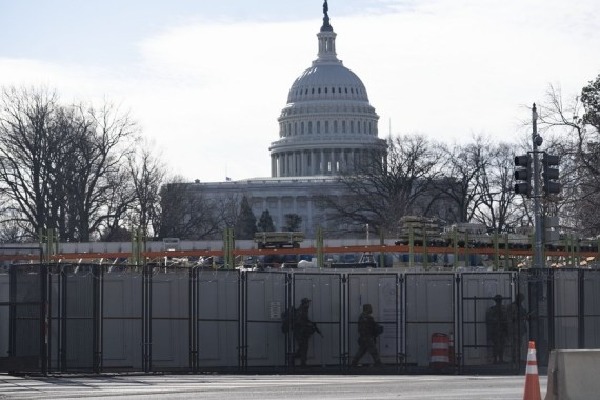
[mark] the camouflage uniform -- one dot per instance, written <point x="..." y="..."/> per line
<point x="304" y="328"/>
<point x="368" y="330"/>
<point x="497" y="328"/>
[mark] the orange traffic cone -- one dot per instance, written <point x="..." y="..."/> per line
<point x="532" y="379"/>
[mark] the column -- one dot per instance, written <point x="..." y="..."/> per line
<point x="303" y="163"/>
<point x="322" y="166"/>
<point x="335" y="158"/>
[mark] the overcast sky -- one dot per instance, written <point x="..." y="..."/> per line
<point x="206" y="80"/>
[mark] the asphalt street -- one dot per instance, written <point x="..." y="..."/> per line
<point x="213" y="387"/>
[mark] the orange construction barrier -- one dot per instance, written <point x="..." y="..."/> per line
<point x="439" y="350"/>
<point x="532" y="379"/>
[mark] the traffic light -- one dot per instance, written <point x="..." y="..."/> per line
<point x="523" y="174"/>
<point x="550" y="174"/>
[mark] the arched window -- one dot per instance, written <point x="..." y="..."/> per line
<point x="335" y="126"/>
<point x="309" y="127"/>
<point x="302" y="128"/>
<point x="343" y="126"/>
<point x="351" y="126"/>
<point x="318" y="126"/>
<point x="326" y="126"/>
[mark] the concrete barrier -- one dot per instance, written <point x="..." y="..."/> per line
<point x="573" y="375"/>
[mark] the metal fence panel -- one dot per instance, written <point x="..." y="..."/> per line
<point x="78" y="318"/>
<point x="429" y="305"/>
<point x="170" y="319"/>
<point x="383" y="292"/>
<point x="566" y="309"/>
<point x="122" y="319"/>
<point x="264" y="301"/>
<point x="591" y="309"/>
<point x="4" y="312"/>
<point x="27" y="327"/>
<point x="218" y="319"/>
<point x="477" y="292"/>
<point x="324" y="291"/>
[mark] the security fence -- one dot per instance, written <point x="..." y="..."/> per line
<point x="96" y="318"/>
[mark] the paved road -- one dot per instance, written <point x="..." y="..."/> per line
<point x="219" y="387"/>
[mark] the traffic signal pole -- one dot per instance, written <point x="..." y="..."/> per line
<point x="537" y="254"/>
<point x="529" y="171"/>
<point x="536" y="289"/>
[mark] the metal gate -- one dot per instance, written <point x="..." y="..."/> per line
<point x="485" y="341"/>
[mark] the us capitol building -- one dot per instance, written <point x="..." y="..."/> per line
<point x="326" y="127"/>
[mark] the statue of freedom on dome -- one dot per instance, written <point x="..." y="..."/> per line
<point x="325" y="8"/>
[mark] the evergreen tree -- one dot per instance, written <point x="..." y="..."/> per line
<point x="292" y="222"/>
<point x="265" y="223"/>
<point x="246" y="223"/>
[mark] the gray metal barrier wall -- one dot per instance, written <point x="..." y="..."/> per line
<point x="152" y="318"/>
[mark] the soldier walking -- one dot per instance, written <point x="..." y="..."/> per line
<point x="368" y="330"/>
<point x="304" y="328"/>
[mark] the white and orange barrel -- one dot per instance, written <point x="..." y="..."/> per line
<point x="440" y="350"/>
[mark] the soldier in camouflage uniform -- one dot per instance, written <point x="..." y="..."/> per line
<point x="368" y="330"/>
<point x="304" y="328"/>
<point x="497" y="328"/>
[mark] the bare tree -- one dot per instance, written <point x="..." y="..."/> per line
<point x="590" y="97"/>
<point x="185" y="212"/>
<point x="148" y="174"/>
<point x="386" y="188"/>
<point x="496" y="205"/>
<point x="569" y="132"/>
<point x="463" y="166"/>
<point x="26" y="138"/>
<point x="62" y="166"/>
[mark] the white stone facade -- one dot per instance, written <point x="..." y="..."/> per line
<point x="281" y="196"/>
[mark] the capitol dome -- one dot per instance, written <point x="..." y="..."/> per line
<point x="321" y="79"/>
<point x="327" y="126"/>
